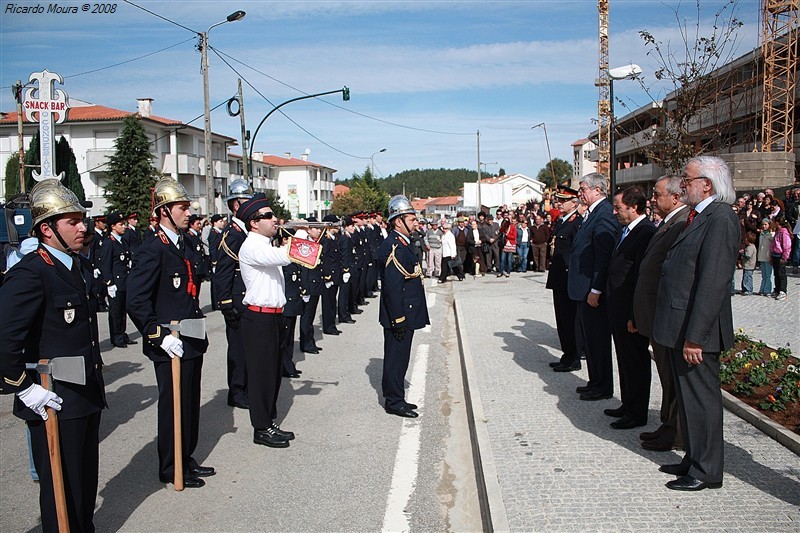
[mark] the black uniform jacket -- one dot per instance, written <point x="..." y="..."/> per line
<point x="202" y="262"/>
<point x="293" y="289"/>
<point x="331" y="263"/>
<point x="563" y="233"/>
<point x="345" y="251"/>
<point x="45" y="314"/>
<point x="228" y="283"/>
<point x="115" y="260"/>
<point x="132" y="238"/>
<point x="160" y="288"/>
<point x="402" y="291"/>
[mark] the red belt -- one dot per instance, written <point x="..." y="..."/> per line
<point x="269" y="310"/>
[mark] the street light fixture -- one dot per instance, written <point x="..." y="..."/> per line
<point x="550" y="157"/>
<point x="372" y="159"/>
<point x="628" y="72"/>
<point x="484" y="165"/>
<point x="236" y="15"/>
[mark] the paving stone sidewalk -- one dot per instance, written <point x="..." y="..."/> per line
<point x="559" y="465"/>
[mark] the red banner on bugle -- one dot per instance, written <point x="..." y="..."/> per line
<point x="303" y="252"/>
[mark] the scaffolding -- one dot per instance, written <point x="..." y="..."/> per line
<point x="604" y="100"/>
<point x="779" y="49"/>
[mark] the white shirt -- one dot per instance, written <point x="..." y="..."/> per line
<point x="260" y="265"/>
<point x="672" y="213"/>
<point x="476" y="234"/>
<point x="448" y="244"/>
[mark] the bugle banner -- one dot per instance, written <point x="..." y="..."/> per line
<point x="304" y="252"/>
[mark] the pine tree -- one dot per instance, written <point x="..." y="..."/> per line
<point x="31" y="162"/>
<point x="66" y="163"/>
<point x="131" y="172"/>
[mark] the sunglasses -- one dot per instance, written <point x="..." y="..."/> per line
<point x="264" y="216"/>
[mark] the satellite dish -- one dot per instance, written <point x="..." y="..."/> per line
<point x="307" y="151"/>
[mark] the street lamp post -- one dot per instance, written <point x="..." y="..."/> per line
<point x="550" y="157"/>
<point x="372" y="160"/>
<point x="236" y="15"/>
<point x="627" y="72"/>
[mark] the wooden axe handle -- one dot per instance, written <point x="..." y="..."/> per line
<point x="176" y="417"/>
<point x="54" y="448"/>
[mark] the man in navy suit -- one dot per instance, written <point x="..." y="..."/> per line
<point x="694" y="319"/>
<point x="402" y="304"/>
<point x="587" y="278"/>
<point x="633" y="357"/>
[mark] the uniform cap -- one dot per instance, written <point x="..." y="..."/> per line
<point x="251" y="207"/>
<point x="215" y="218"/>
<point x="330" y="218"/>
<point x="114" y="218"/>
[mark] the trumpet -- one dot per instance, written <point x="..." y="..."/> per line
<point x="301" y="224"/>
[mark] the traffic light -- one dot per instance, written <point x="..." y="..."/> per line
<point x="346" y="94"/>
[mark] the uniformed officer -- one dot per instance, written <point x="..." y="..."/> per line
<point x="214" y="238"/>
<point x="331" y="265"/>
<point x="115" y="264"/>
<point x="374" y="240"/>
<point x="47" y="311"/>
<point x="312" y="285"/>
<point x="162" y="288"/>
<point x="229" y="291"/>
<point x="291" y="309"/>
<point x="132" y="236"/>
<point x="402" y="302"/>
<point x="98" y="240"/>
<point x="360" y="263"/>
<point x="346" y="260"/>
<point x="202" y="262"/>
<point x="565" y="309"/>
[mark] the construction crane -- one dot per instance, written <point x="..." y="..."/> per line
<point x="604" y="101"/>
<point x="779" y="38"/>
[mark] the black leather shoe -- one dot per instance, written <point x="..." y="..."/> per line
<point x="553" y="365"/>
<point x="651" y="435"/>
<point x="371" y="295"/>
<point x="119" y="345"/>
<point x="659" y="444"/>
<point x="128" y="340"/>
<point x="315" y="351"/>
<point x="687" y="482"/>
<point x="594" y="396"/>
<point x="294" y="375"/>
<point x="363" y="302"/>
<point x="298" y="371"/>
<point x="411" y="405"/>
<point x="627" y="422"/>
<point x="675" y="469"/>
<point x="332" y="332"/>
<point x="403" y="411"/>
<point x="571" y="368"/>
<point x="239" y="404"/>
<point x="348" y="321"/>
<point x="268" y="437"/>
<point x="619" y="412"/>
<point x="288" y="435"/>
<point x="189" y="482"/>
<point x="202" y="471"/>
<point x="583" y="388"/>
<point x="356" y="312"/>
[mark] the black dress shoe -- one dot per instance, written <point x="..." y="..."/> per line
<point x="348" y="321"/>
<point x="553" y="365"/>
<point x="202" y="471"/>
<point x="239" y="404"/>
<point x="402" y="411"/>
<point x="356" y="312"/>
<point x="687" y="482"/>
<point x="363" y="302"/>
<point x="594" y="396"/>
<point x="619" y="412"/>
<point x="570" y="368"/>
<point x="411" y="405"/>
<point x="315" y="351"/>
<point x="294" y="375"/>
<point x="332" y="332"/>
<point x="288" y="435"/>
<point x="128" y="340"/>
<point x="298" y="371"/>
<point x="675" y="469"/>
<point x="119" y="345"/>
<point x="627" y="422"/>
<point x="269" y="437"/>
<point x="189" y="482"/>
<point x="659" y="444"/>
<point x="651" y="435"/>
<point x="583" y="388"/>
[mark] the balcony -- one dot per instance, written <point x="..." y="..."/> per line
<point x="97" y="159"/>
<point x="639" y="174"/>
<point x="193" y="165"/>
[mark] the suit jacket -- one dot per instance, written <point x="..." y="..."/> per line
<point x="115" y="262"/>
<point x="402" y="289"/>
<point x="331" y="263"/>
<point x="46" y="314"/>
<point x="292" y="290"/>
<point x="228" y="283"/>
<point x="694" y="301"/>
<point x="202" y="262"/>
<point x="591" y="252"/>
<point x="345" y="251"/>
<point x="623" y="269"/>
<point x="214" y="238"/>
<point x="563" y="234"/>
<point x="131" y="238"/>
<point x="644" y="302"/>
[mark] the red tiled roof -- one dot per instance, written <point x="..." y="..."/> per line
<point x="340" y="189"/>
<point x="443" y="200"/>
<point x="277" y="161"/>
<point x="93" y="113"/>
<point x="580" y="142"/>
<point x="419" y="204"/>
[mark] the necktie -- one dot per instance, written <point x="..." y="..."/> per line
<point x="625" y="232"/>
<point x="76" y="273"/>
<point x="691" y="216"/>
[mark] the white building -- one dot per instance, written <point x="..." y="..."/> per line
<point x="582" y="163"/>
<point x="512" y="190"/>
<point x="178" y="149"/>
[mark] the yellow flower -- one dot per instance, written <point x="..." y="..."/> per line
<point x="773" y="355"/>
<point x="747" y="365"/>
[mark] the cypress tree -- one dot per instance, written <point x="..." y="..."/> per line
<point x="66" y="163"/>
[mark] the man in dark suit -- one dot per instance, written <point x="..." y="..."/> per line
<point x="587" y="278"/>
<point x="331" y="266"/>
<point x="345" y="245"/>
<point x="313" y="285"/>
<point x="694" y="319"/>
<point x="214" y="238"/>
<point x="565" y="308"/>
<point x="115" y="264"/>
<point x="132" y="237"/>
<point x="47" y="310"/>
<point x="633" y="357"/>
<point x="667" y="194"/>
<point x="162" y="289"/>
<point x="402" y="304"/>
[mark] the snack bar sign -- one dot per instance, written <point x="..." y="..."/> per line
<point x="47" y="105"/>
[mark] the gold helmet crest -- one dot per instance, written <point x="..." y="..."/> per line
<point x="49" y="198"/>
<point x="168" y="191"/>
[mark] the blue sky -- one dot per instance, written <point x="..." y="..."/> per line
<point x="424" y="75"/>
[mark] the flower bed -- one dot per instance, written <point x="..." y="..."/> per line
<point x="766" y="379"/>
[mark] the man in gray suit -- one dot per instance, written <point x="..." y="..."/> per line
<point x="667" y="200"/>
<point x="694" y="319"/>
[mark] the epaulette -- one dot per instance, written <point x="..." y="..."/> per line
<point x="45" y="256"/>
<point x="163" y="237"/>
<point x="225" y="248"/>
<point x="572" y="217"/>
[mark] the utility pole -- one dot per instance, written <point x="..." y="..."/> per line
<point x="245" y="162"/>
<point x="478" y="210"/>
<point x="20" y="137"/>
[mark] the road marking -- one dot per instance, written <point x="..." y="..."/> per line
<point x="406" y="464"/>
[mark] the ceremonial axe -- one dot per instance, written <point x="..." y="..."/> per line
<point x="70" y="369"/>
<point x="195" y="328"/>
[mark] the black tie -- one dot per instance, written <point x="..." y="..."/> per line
<point x="76" y="273"/>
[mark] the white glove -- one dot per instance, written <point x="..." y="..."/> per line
<point x="306" y="298"/>
<point x="37" y="398"/>
<point x="173" y="346"/>
<point x="346" y="277"/>
<point x="112" y="291"/>
<point x="328" y="284"/>
<point x="96" y="273"/>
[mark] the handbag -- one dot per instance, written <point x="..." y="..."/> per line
<point x="455" y="263"/>
<point x="509" y="247"/>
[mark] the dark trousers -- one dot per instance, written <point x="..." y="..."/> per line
<point x="261" y="334"/>
<point x="237" y="368"/>
<point x="343" y="302"/>
<point x="669" y="398"/>
<point x="191" y="371"/>
<point x="565" y="311"/>
<point x="329" y="308"/>
<point x="372" y="276"/>
<point x="396" y="355"/>
<point x="362" y="284"/>
<point x="79" y="464"/>
<point x="594" y="330"/>
<point x="446" y="270"/>
<point x="635" y="371"/>
<point x="540" y="256"/>
<point x="307" y="342"/>
<point x="700" y="407"/>
<point x="355" y="283"/>
<point x="287" y="344"/>
<point x="780" y="274"/>
<point x="117" y="315"/>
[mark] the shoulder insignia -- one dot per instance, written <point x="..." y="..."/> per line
<point x="163" y="237"/>
<point x="45" y="256"/>
<point x="16" y="383"/>
<point x="572" y="217"/>
<point x="225" y="248"/>
<point x="237" y="228"/>
<point x="155" y="335"/>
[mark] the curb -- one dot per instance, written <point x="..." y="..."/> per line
<point x="493" y="510"/>
<point x="761" y="422"/>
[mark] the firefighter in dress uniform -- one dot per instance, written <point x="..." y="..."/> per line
<point x="115" y="264"/>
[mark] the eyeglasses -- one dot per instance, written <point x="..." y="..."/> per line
<point x="584" y="189"/>
<point x="264" y="216"/>
<point x="685" y="180"/>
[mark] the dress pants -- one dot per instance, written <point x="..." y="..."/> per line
<point x="669" y="415"/>
<point x="329" y="308"/>
<point x="79" y="464"/>
<point x="287" y="344"/>
<point x="237" y="368"/>
<point x="372" y="276"/>
<point x="594" y="330"/>
<point x="191" y="371"/>
<point x="540" y="256"/>
<point x="261" y="334"/>
<point x="117" y="315"/>
<point x="355" y="283"/>
<point x="307" y="342"/>
<point x="565" y="311"/>
<point x="635" y="371"/>
<point x="343" y="302"/>
<point x="396" y="355"/>
<point x="700" y="405"/>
